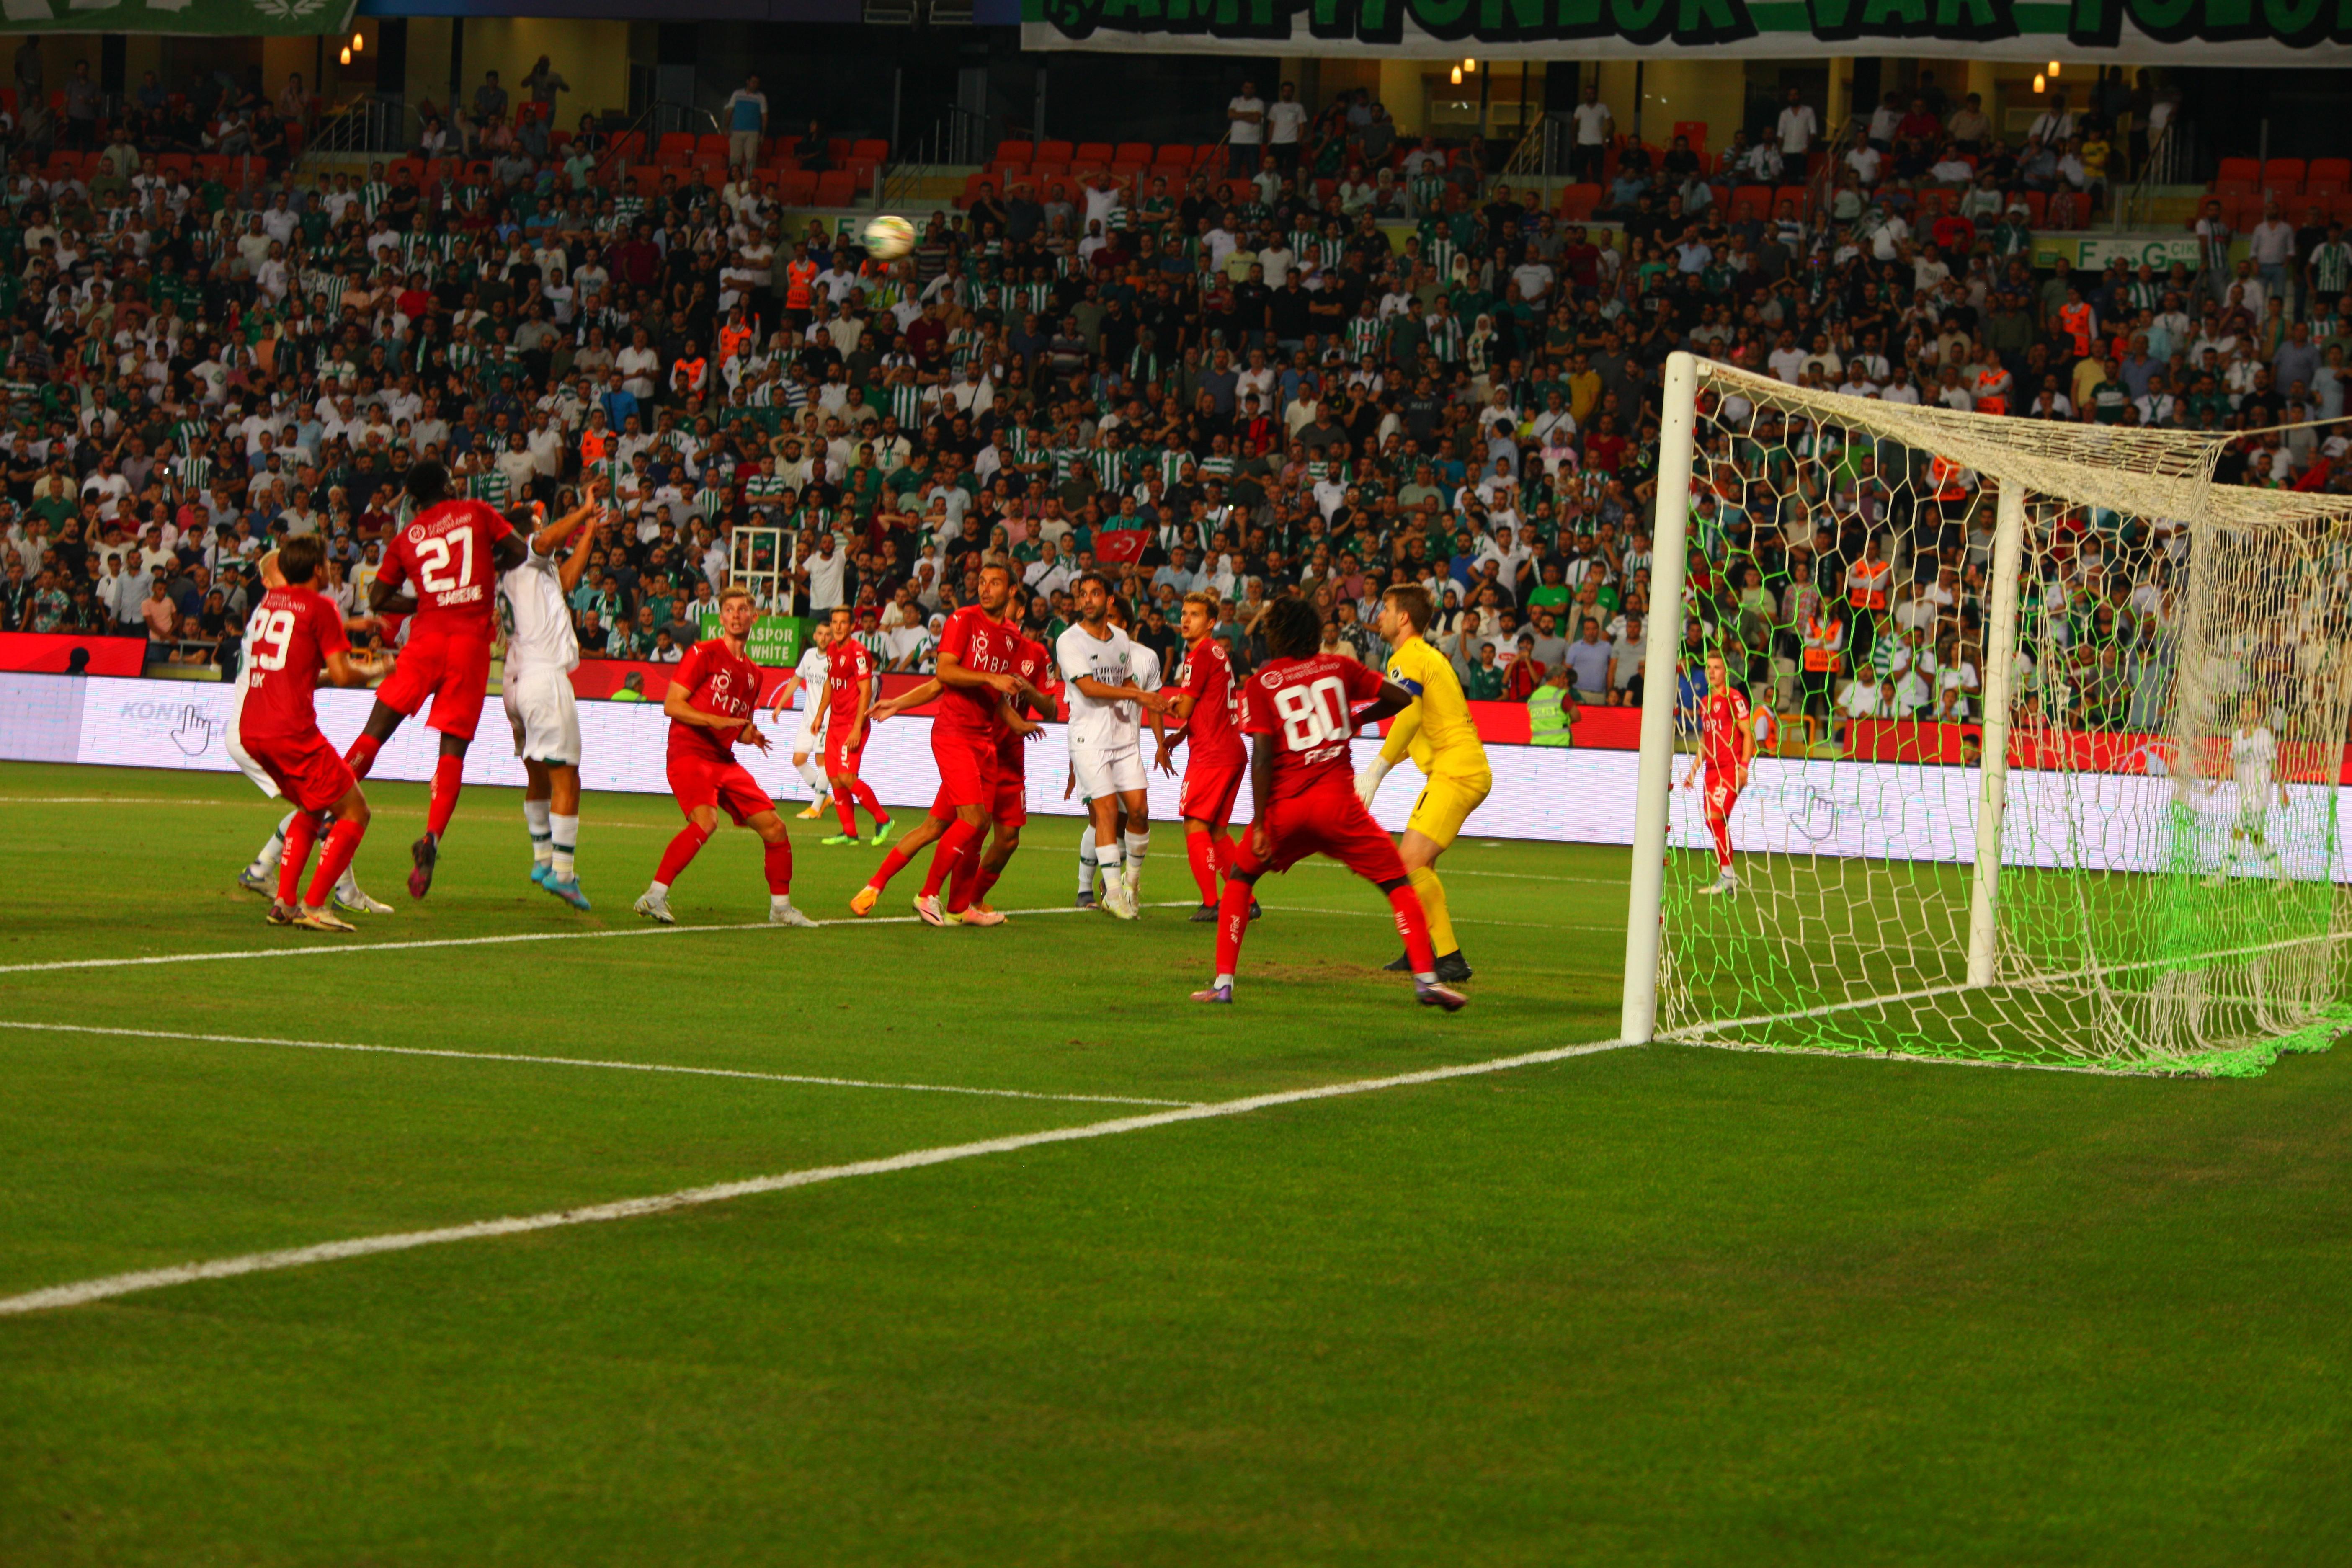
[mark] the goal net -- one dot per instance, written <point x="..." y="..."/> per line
<point x="2049" y="733"/>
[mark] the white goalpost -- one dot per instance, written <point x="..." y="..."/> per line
<point x="2058" y="771"/>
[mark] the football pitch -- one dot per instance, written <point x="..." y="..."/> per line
<point x="877" y="1244"/>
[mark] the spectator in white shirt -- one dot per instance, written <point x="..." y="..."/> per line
<point x="1245" y="130"/>
<point x="1797" y="128"/>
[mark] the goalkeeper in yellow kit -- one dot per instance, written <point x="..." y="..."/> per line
<point x="1443" y="743"/>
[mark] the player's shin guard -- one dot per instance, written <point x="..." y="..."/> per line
<point x="1431" y="893"/>
<point x="563" y="847"/>
<point x="1221" y="851"/>
<point x="266" y="862"/>
<point x="982" y="880"/>
<point x="537" y="818"/>
<point x="1720" y="827"/>
<point x="342" y="843"/>
<point x="892" y="864"/>
<point x="448" y="778"/>
<point x="681" y="853"/>
<point x="1087" y="858"/>
<point x="778" y="864"/>
<point x="813" y="777"/>
<point x="1203" y="863"/>
<point x="868" y="803"/>
<point x="945" y="859"/>
<point x="361" y="755"/>
<point x="301" y="832"/>
<point x="1136" y="843"/>
<point x="1412" y="924"/>
<point x="844" y="806"/>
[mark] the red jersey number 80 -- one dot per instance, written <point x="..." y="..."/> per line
<point x="1308" y="723"/>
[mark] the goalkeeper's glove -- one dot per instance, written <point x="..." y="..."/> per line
<point x="1368" y="777"/>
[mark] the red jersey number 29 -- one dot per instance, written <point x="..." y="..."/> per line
<point x="1307" y="722"/>
<point x="433" y="560"/>
<point x="271" y="634"/>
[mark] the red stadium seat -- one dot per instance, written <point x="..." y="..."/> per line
<point x="1577" y="202"/>
<point x="1132" y="153"/>
<point x="1694" y="129"/>
<point x="1177" y="155"/>
<point x="2336" y="170"/>
<point x="835" y="188"/>
<point x="2245" y="171"/>
<point x="2284" y="174"/>
<point x="676" y="147"/>
<point x="710" y="144"/>
<point x="873" y="149"/>
<point x="1053" y="152"/>
<point x="1015" y="153"/>
<point x="1802" y="195"/>
<point x="1758" y="198"/>
<point x="1092" y="152"/>
<point x="796" y="188"/>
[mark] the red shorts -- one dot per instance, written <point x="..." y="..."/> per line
<point x="1722" y="795"/>
<point x="308" y="772"/>
<point x="449" y="665"/>
<point x="967" y="768"/>
<point x="1326" y="820"/>
<point x="843" y="760"/>
<point x="1209" y="793"/>
<point x="700" y="782"/>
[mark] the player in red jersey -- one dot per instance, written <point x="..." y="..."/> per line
<point x="848" y="701"/>
<point x="1726" y="746"/>
<point x="712" y="697"/>
<point x="1303" y="786"/>
<point x="1033" y="663"/>
<point x="1207" y="703"/>
<point x="975" y="673"/>
<point x="449" y="557"/>
<point x="296" y="635"/>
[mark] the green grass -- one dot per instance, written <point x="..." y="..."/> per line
<point x="1650" y="1305"/>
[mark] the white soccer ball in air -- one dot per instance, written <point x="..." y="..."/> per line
<point x="888" y="238"/>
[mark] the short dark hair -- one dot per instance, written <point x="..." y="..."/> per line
<point x="1096" y="578"/>
<point x="298" y="558"/>
<point x="429" y="482"/>
<point x="1293" y="629"/>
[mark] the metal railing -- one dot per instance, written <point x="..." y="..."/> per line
<point x="368" y="125"/>
<point x="650" y="124"/>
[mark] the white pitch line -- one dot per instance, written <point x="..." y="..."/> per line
<point x="581" y="1062"/>
<point x="328" y="950"/>
<point x="1464" y="871"/>
<point x="113" y="1284"/>
<point x="109" y="800"/>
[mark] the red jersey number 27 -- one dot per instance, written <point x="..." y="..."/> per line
<point x="1307" y="723"/>
<point x="433" y="560"/>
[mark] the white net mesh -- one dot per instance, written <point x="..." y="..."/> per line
<point x="2176" y="702"/>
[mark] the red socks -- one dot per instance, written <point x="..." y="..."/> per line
<point x="361" y="756"/>
<point x="680" y="854"/>
<point x="448" y="778"/>
<point x="1720" y="827"/>
<point x="1204" y="865"/>
<point x="844" y="806"/>
<point x="963" y="890"/>
<point x="892" y="864"/>
<point x="982" y="880"/>
<point x="1232" y="920"/>
<point x="872" y="804"/>
<point x="1221" y="851"/>
<point x="779" y="862"/>
<point x="951" y="851"/>
<point x="342" y="843"/>
<point x="1412" y="924"/>
<point x="298" y="840"/>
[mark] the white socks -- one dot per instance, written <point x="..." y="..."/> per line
<point x="1136" y="843"/>
<point x="272" y="852"/>
<point x="1087" y="859"/>
<point x="657" y="889"/>
<point x="1106" y="856"/>
<point x="813" y="777"/>
<point x="535" y="816"/>
<point x="563" y="834"/>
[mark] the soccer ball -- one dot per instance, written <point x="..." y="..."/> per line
<point x="888" y="238"/>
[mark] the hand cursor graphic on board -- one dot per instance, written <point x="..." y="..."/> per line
<point x="195" y="733"/>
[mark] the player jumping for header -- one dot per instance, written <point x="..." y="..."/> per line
<point x="1296" y="708"/>
<point x="1726" y="745"/>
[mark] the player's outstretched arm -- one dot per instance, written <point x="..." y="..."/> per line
<point x="953" y="671"/>
<point x="928" y="691"/>
<point x="346" y="668"/>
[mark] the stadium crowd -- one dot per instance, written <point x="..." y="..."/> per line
<point x="1359" y="363"/>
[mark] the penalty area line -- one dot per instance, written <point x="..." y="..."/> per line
<point x="331" y="949"/>
<point x="580" y="1062"/>
<point x="113" y="1284"/>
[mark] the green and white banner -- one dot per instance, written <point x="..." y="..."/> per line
<point x="240" y="17"/>
<point x="2113" y="32"/>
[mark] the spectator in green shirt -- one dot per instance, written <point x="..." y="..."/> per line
<point x="1485" y="681"/>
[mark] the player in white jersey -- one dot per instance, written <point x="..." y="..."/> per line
<point x="542" y="650"/>
<point x="1100" y="664"/>
<point x="2253" y="767"/>
<point x="808" y="678"/>
<point x="261" y="876"/>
